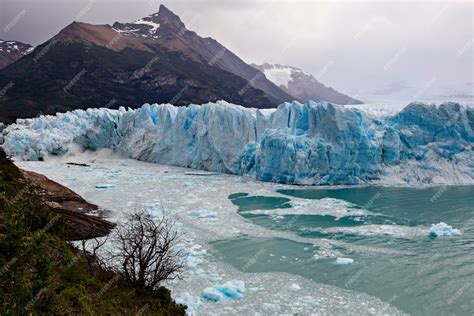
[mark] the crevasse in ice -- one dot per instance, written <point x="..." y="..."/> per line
<point x="312" y="143"/>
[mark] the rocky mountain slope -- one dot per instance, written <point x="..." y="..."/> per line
<point x="170" y="32"/>
<point x="155" y="59"/>
<point x="11" y="51"/>
<point x="302" y="85"/>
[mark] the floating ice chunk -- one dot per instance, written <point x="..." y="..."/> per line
<point x="344" y="261"/>
<point x="105" y="186"/>
<point x="230" y="290"/>
<point x="295" y="287"/>
<point x="443" y="229"/>
<point x="213" y="294"/>
<point x="204" y="214"/>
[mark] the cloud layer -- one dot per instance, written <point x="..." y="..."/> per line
<point x="360" y="48"/>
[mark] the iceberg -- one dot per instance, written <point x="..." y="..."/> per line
<point x="295" y="287"/>
<point x="344" y="261"/>
<point x="230" y="290"/>
<point x="312" y="144"/>
<point x="105" y="186"/>
<point x="442" y="229"/>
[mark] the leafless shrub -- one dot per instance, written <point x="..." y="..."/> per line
<point x="141" y="250"/>
<point x="91" y="249"/>
<point x="145" y="252"/>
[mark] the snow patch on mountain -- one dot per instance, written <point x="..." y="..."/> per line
<point x="281" y="76"/>
<point x="136" y="27"/>
<point x="153" y="26"/>
<point x="15" y="47"/>
<point x="312" y="143"/>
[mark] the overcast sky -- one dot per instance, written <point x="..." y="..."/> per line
<point x="363" y="48"/>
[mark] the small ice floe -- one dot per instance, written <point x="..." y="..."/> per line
<point x="295" y="287"/>
<point x="443" y="229"/>
<point x="228" y="291"/>
<point x="344" y="261"/>
<point x="105" y="186"/>
<point x="204" y="214"/>
<point x="309" y="301"/>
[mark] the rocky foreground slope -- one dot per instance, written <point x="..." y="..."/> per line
<point x="79" y="224"/>
<point x="313" y="143"/>
<point x="42" y="273"/>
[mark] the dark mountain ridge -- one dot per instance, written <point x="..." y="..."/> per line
<point x="155" y="59"/>
<point x="88" y="65"/>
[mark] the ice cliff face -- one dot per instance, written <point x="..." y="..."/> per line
<point x="313" y="143"/>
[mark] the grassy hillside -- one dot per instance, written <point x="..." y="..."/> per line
<point x="40" y="273"/>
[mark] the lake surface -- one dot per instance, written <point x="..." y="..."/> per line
<point x="338" y="251"/>
<point x="422" y="275"/>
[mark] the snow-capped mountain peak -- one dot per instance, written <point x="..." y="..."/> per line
<point x="302" y="85"/>
<point x="15" y="47"/>
<point x="150" y="25"/>
<point x="11" y="51"/>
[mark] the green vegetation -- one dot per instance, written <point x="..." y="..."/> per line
<point x="42" y="274"/>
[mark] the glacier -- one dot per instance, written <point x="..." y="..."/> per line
<point x="311" y="144"/>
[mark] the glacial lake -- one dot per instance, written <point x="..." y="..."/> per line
<point x="422" y="275"/>
<point x="298" y="250"/>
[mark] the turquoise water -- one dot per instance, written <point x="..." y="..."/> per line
<point x="414" y="272"/>
<point x="246" y="202"/>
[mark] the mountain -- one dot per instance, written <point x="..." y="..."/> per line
<point x="154" y="59"/>
<point x="11" y="51"/>
<point x="170" y="32"/>
<point x="302" y="85"/>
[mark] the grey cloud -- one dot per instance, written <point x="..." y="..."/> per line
<point x="358" y="38"/>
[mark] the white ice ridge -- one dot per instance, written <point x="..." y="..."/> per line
<point x="313" y="143"/>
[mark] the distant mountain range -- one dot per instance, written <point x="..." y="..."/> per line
<point x="11" y="51"/>
<point x="154" y="59"/>
<point x="302" y="85"/>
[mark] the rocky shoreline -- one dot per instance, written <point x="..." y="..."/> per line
<point x="82" y="219"/>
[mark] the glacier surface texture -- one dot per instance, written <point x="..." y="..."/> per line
<point x="313" y="143"/>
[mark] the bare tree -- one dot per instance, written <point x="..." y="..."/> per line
<point x="145" y="252"/>
<point x="91" y="249"/>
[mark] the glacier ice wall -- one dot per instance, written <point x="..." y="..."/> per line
<point x="313" y="143"/>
